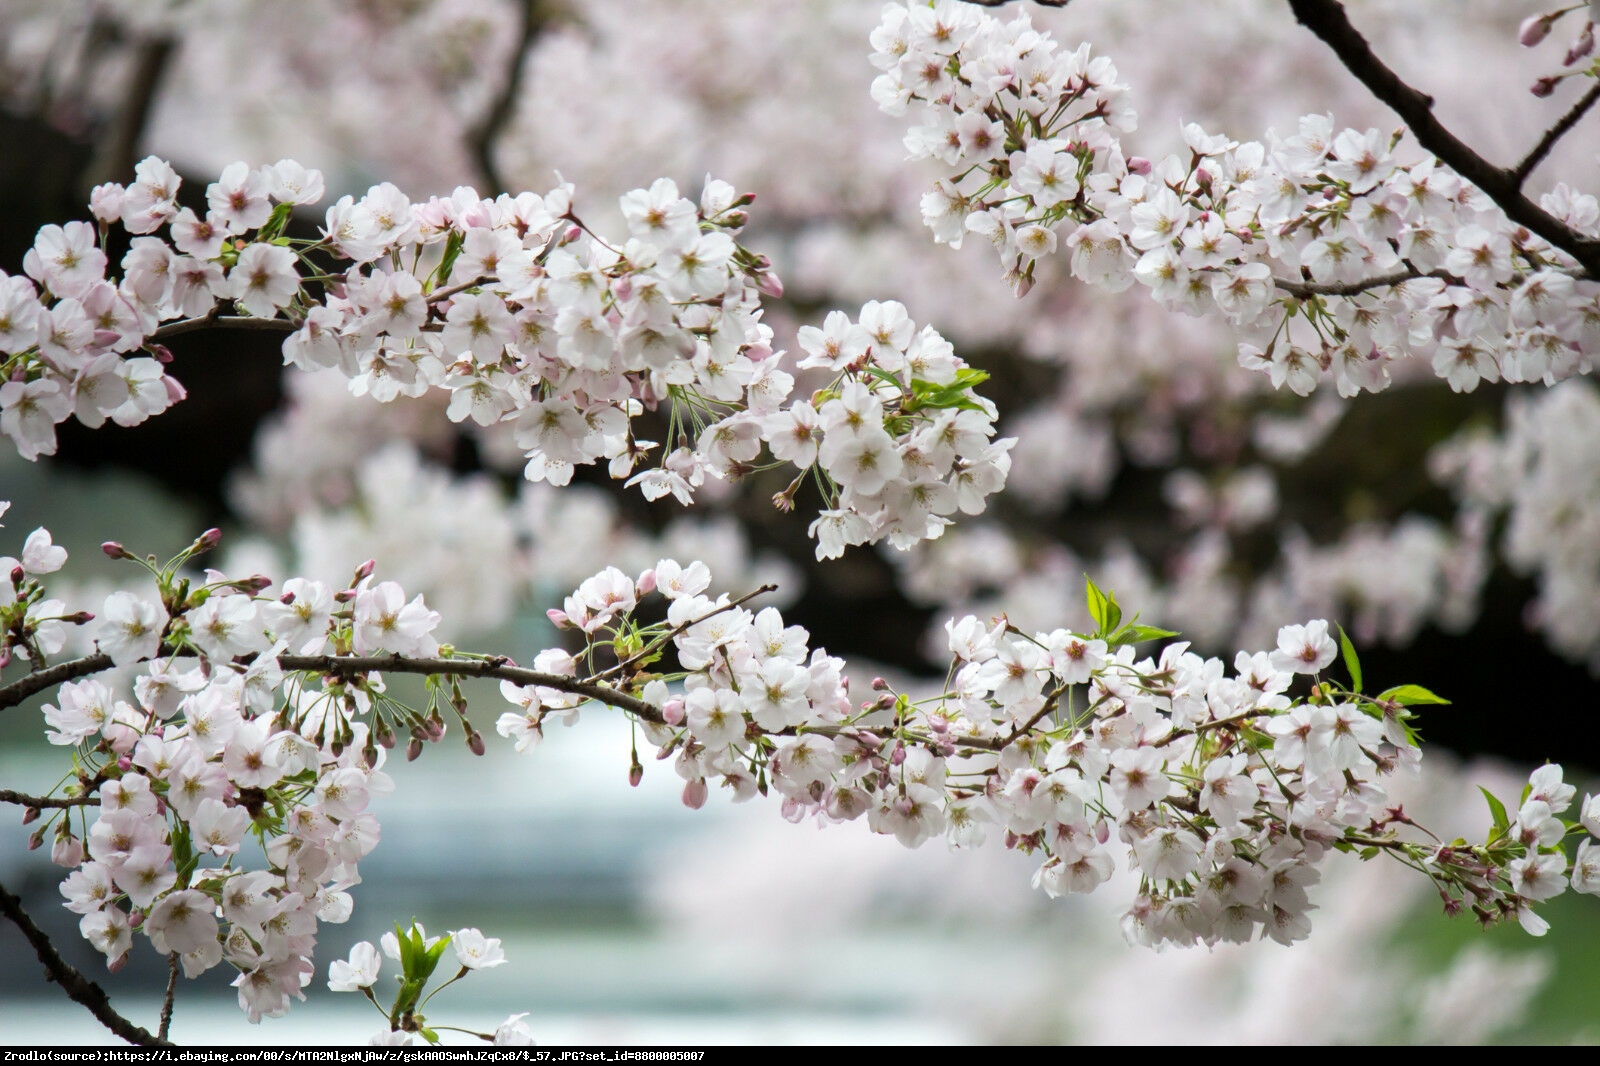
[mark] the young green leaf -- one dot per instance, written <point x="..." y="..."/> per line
<point x="1351" y="662"/>
<point x="1497" y="810"/>
<point x="1409" y="695"/>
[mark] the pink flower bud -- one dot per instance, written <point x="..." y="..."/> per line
<point x="105" y="202"/>
<point x="18" y="575"/>
<point x="125" y="763"/>
<point x="1544" y="86"/>
<point x="364" y="571"/>
<point x="1580" y="47"/>
<point x="30" y="814"/>
<point x="414" y="749"/>
<point x="1138" y="164"/>
<point x="255" y="584"/>
<point x="163" y="355"/>
<point x="694" y="794"/>
<point x="36" y="841"/>
<point x="1534" y="29"/>
<point x="176" y="393"/>
<point x="672" y="712"/>
<point x="78" y="618"/>
<point x="646" y="583"/>
<point x="114" y="550"/>
<point x="879" y="685"/>
<point x="475" y="742"/>
<point x="899" y="755"/>
<point x="136" y="919"/>
<point x="67" y="851"/>
<point x="558" y="618"/>
<point x="885" y="702"/>
<point x="208" y="540"/>
<point x="635" y="775"/>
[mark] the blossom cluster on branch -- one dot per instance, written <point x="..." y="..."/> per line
<point x="1324" y="250"/>
<point x="524" y="316"/>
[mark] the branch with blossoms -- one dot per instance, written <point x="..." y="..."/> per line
<point x="525" y="316"/>
<point x="263" y="723"/>
<point x="1324" y="250"/>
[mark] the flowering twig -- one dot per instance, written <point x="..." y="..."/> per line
<point x="1521" y="171"/>
<point x="77" y="987"/>
<point x="1327" y="19"/>
<point x="172" y="992"/>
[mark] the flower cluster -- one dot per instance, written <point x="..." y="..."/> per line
<point x="1224" y="792"/>
<point x="523" y="316"/>
<point x="1323" y="249"/>
<point x="220" y="745"/>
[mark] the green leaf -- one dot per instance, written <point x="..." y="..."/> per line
<point x="1351" y="662"/>
<point x="452" y="249"/>
<point x="1133" y="633"/>
<point x="1102" y="608"/>
<point x="1409" y="695"/>
<point x="1497" y="809"/>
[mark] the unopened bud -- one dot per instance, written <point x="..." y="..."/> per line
<point x="885" y="702"/>
<point x="114" y="550"/>
<point x="344" y="595"/>
<point x="119" y="962"/>
<point x="30" y="814"/>
<point x="1534" y="29"/>
<point x="899" y="755"/>
<point x="558" y="618"/>
<point x="1544" y="86"/>
<point x="475" y="742"/>
<point x="136" y="919"/>
<point x="208" y="540"/>
<point x="672" y="712"/>
<point x="66" y="851"/>
<point x="414" y="749"/>
<point x="770" y="285"/>
<point x="635" y="774"/>
<point x="646" y="583"/>
<point x="1580" y="47"/>
<point x="364" y="571"/>
<point x="694" y="794"/>
<point x="18" y="575"/>
<point x="1138" y="164"/>
<point x="745" y="199"/>
<point x="36" y="841"/>
<point x="255" y="584"/>
<point x="78" y="618"/>
<point x="879" y="685"/>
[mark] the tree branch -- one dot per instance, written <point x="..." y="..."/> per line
<point x="42" y="802"/>
<point x="120" y="146"/>
<point x="167" y="1000"/>
<point x="78" y="987"/>
<point x="531" y="21"/>
<point x="1327" y="19"/>
<point x="1521" y="171"/>
<point x="1304" y="289"/>
<point x="213" y="320"/>
<point x="51" y="676"/>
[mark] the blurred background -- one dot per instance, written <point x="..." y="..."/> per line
<point x="1457" y="537"/>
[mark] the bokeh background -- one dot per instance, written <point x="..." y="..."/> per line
<point x="1456" y="536"/>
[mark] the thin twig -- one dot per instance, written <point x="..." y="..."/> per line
<point x="44" y="802"/>
<point x="531" y="21"/>
<point x="77" y="987"/>
<point x="1327" y="19"/>
<point x="682" y="627"/>
<point x="1521" y="171"/>
<point x="172" y="994"/>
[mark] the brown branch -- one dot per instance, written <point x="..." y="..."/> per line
<point x="1303" y="289"/>
<point x="1327" y="19"/>
<point x="1521" y="171"/>
<point x="43" y="802"/>
<point x="661" y="641"/>
<point x="167" y="1000"/>
<point x="213" y="320"/>
<point x="77" y="987"/>
<point x="343" y="665"/>
<point x="531" y="21"/>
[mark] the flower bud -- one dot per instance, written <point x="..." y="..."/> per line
<point x="694" y="794"/>
<point x="646" y="583"/>
<point x="18" y="575"/>
<point x="30" y="814"/>
<point x="558" y="618"/>
<point x="1534" y="29"/>
<point x="1544" y="86"/>
<point x="105" y="201"/>
<point x="36" y="841"/>
<point x="635" y="774"/>
<point x="136" y="919"/>
<point x="255" y="584"/>
<point x="1580" y="47"/>
<point x="114" y="550"/>
<point x="119" y="962"/>
<point x="475" y="742"/>
<point x="899" y="755"/>
<point x="414" y="749"/>
<point x="672" y="712"/>
<point x="78" y="618"/>
<point x="1138" y="164"/>
<point x="67" y="851"/>
<point x="208" y="540"/>
<point x="364" y="571"/>
<point x="879" y="685"/>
